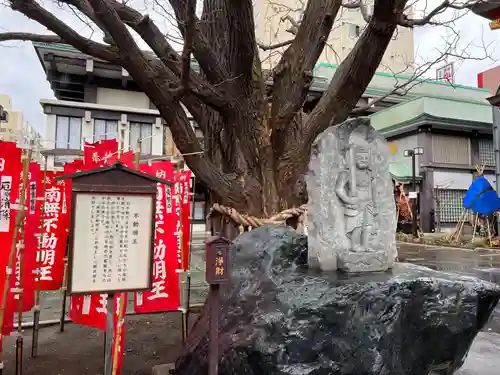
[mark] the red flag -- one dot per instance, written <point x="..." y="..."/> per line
<point x="54" y="232"/>
<point x="183" y="178"/>
<point x="31" y="224"/>
<point x="101" y="153"/>
<point x="75" y="166"/>
<point x="128" y="159"/>
<point x="165" y="293"/>
<point x="10" y="168"/>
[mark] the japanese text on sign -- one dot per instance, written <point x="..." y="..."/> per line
<point x="117" y="229"/>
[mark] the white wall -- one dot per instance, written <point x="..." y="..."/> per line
<point x="398" y="147"/>
<point x="491" y="178"/>
<point x="122" y="98"/>
<point x="452" y="180"/>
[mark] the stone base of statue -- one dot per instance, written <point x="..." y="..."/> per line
<point x="363" y="261"/>
<point x="280" y="317"/>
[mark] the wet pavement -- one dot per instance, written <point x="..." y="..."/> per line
<point x="484" y="355"/>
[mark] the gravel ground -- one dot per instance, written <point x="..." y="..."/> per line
<point x="150" y="340"/>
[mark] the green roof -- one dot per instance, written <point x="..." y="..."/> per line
<point x="457" y="112"/>
<point x="401" y="172"/>
<point x="407" y="78"/>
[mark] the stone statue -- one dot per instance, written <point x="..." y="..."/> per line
<point x="351" y="208"/>
<point x="354" y="189"/>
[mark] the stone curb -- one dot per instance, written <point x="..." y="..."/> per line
<point x="437" y="246"/>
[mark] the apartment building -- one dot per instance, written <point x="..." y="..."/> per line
<point x="14" y="128"/>
<point x="273" y="19"/>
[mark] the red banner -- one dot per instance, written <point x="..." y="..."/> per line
<point x="24" y="279"/>
<point x="100" y="154"/>
<point x="183" y="185"/>
<point x="54" y="233"/>
<point x="165" y="293"/>
<point x="10" y="168"/>
<point x="91" y="310"/>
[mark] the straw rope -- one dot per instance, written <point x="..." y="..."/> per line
<point x="254" y="222"/>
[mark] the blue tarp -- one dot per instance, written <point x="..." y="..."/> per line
<point x="481" y="198"/>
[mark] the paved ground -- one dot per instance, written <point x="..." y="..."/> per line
<point x="484" y="355"/>
<point x="156" y="339"/>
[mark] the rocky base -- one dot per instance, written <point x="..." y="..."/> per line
<point x="280" y="317"/>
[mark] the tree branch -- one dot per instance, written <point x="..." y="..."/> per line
<point x="149" y="32"/>
<point x="293" y="74"/>
<point x="34" y="11"/>
<point x="350" y="80"/>
<point x="186" y="50"/>
<point x="30" y="37"/>
<point x="202" y="49"/>
<point x="143" y="72"/>
<point x="268" y="47"/>
<point x="446" y="4"/>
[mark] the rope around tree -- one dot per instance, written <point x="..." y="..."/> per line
<point x="254" y="222"/>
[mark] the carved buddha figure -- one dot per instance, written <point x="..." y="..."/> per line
<point x="354" y="189"/>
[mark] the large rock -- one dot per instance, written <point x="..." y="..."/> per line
<point x="280" y="317"/>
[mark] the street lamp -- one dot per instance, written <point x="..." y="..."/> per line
<point x="412" y="154"/>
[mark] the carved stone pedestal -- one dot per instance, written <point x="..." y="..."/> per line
<point x="352" y="262"/>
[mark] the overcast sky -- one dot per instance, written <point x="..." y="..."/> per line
<point x="22" y="76"/>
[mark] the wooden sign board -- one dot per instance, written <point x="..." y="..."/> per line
<point x="217" y="260"/>
<point x="494" y="25"/>
<point x="112" y="230"/>
<point x="111" y="247"/>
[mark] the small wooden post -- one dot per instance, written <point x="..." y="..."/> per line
<point x="489" y="230"/>
<point x="110" y="330"/>
<point x="64" y="295"/>
<point x="36" y="309"/>
<point x="475" y="228"/>
<point x="217" y="273"/>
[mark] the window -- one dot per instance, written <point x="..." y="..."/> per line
<point x="450" y="204"/>
<point x="353" y="30"/>
<point x="68" y="132"/>
<point x="450" y="149"/>
<point x="143" y="132"/>
<point x="486" y="152"/>
<point x="105" y="129"/>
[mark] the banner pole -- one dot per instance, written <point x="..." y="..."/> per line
<point x="188" y="303"/>
<point x="179" y="196"/>
<point x="62" y="320"/>
<point x="20" y="248"/>
<point x="36" y="312"/>
<point x="110" y="330"/>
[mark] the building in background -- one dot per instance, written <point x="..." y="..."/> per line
<point x="274" y="18"/>
<point x="97" y="100"/>
<point x="15" y="128"/>
<point x="453" y="125"/>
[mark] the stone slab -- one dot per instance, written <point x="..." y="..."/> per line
<point x="163" y="369"/>
<point x="374" y="261"/>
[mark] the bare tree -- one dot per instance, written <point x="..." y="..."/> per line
<point x="257" y="137"/>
